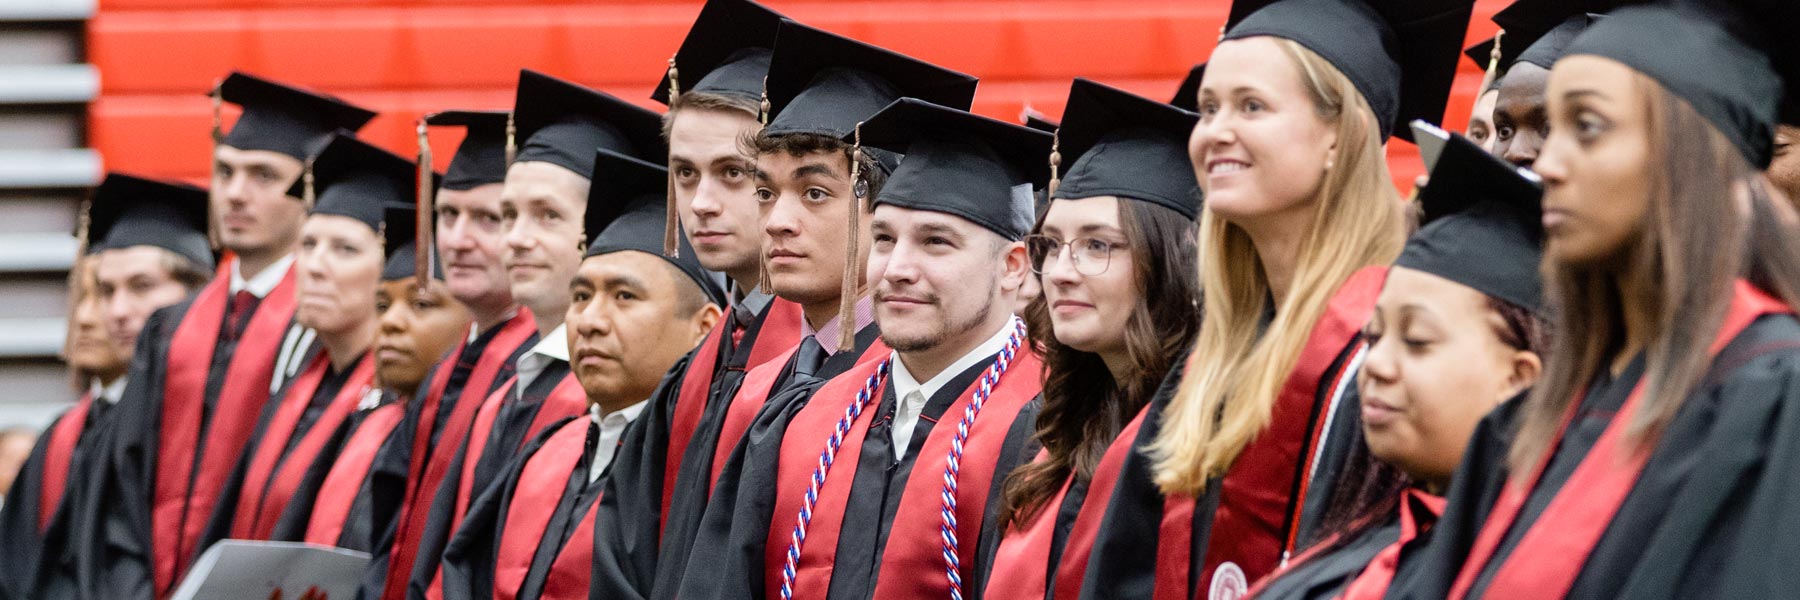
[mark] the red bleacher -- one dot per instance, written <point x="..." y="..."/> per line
<point x="408" y="57"/>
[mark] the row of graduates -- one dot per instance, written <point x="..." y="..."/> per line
<point x="1269" y="393"/>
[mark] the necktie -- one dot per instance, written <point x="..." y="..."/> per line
<point x="242" y="304"/>
<point x="809" y="358"/>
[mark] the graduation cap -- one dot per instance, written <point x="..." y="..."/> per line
<point x="726" y="52"/>
<point x="1120" y="144"/>
<point x="823" y="83"/>
<point x="1766" y="25"/>
<point x="1187" y="95"/>
<point x="481" y="158"/>
<point x="1037" y="120"/>
<point x="627" y="212"/>
<point x="1733" y="85"/>
<point x="1482" y="225"/>
<point x="401" y="236"/>
<point x="1401" y="54"/>
<point x="1487" y="56"/>
<point x="351" y="178"/>
<point x="961" y="164"/>
<point x="282" y="118"/>
<point x="562" y="123"/>
<point x="126" y="211"/>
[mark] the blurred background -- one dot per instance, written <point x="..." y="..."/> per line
<point x="88" y="86"/>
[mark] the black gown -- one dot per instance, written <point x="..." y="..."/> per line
<point x="1701" y="519"/>
<point x="21" y="530"/>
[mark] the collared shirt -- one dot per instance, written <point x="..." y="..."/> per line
<point x="912" y="395"/>
<point x="107" y="392"/>
<point x="612" y="426"/>
<point x="551" y="348"/>
<point x="828" y="335"/>
<point x="262" y="283"/>
<point x="751" y="302"/>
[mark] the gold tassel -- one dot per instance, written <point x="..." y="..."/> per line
<point x="422" y="235"/>
<point x="1493" y="66"/>
<point x="307" y="194"/>
<point x="512" y="146"/>
<point x="1055" y="164"/>
<point x="674" y="82"/>
<point x="852" y="268"/>
<point x="763" y="284"/>
<point x="762" y="110"/>
<point x="83" y="222"/>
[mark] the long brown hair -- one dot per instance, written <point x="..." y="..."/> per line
<point x="1706" y="226"/>
<point x="1084" y="407"/>
<point x="1237" y="367"/>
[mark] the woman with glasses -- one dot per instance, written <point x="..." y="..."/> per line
<point x="1114" y="253"/>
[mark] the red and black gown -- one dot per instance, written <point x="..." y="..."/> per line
<point x="1705" y="513"/>
<point x="1148" y="545"/>
<point x="304" y="426"/>
<point x="876" y="528"/>
<point x="1363" y="566"/>
<point x="199" y="382"/>
<point x="506" y="421"/>
<point x="37" y="493"/>
<point x="429" y="439"/>
<point x="664" y="473"/>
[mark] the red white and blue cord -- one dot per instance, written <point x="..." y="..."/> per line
<point x="798" y="538"/>
<point x="953" y="465"/>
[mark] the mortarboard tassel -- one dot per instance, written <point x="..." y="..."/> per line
<point x="307" y="194"/>
<point x="852" y="268"/>
<point x="512" y="146"/>
<point x="422" y="267"/>
<point x="762" y="110"/>
<point x="83" y="221"/>
<point x="1493" y="66"/>
<point x="1055" y="164"/>
<point x="671" y="221"/>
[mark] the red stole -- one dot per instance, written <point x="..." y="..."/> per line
<point x="61" y="451"/>
<point x="1261" y="495"/>
<point x="1373" y="583"/>
<point x="1072" y="570"/>
<point x="912" y="563"/>
<point x="780" y="331"/>
<point x="339" y="491"/>
<point x="542" y="482"/>
<point x="179" y="511"/>
<point x="570" y="572"/>
<point x="435" y="465"/>
<point x="754" y="392"/>
<point x="566" y="400"/>
<point x="273" y="478"/>
<point x="1024" y="555"/>
<point x="1553" y="551"/>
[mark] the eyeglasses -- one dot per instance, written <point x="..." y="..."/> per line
<point x="1090" y="256"/>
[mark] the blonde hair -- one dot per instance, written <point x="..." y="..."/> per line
<point x="1237" y="368"/>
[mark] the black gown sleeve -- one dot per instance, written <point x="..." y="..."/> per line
<point x="1020" y="447"/>
<point x="628" y="521"/>
<point x="21" y="540"/>
<point x="468" y="564"/>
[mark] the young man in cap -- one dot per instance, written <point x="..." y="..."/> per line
<point x="714" y="91"/>
<point x="147" y="249"/>
<point x="469" y="245"/>
<point x="913" y="441"/>
<point x="633" y="314"/>
<point x="542" y="205"/>
<point x="200" y="382"/>
<point x="814" y="192"/>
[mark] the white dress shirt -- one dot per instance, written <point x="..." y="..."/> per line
<point x="551" y="348"/>
<point x="612" y="426"/>
<point x="108" y="392"/>
<point x="912" y="395"/>
<point x="262" y="283"/>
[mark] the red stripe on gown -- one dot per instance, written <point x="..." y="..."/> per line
<point x="1023" y="558"/>
<point x="1553" y="551"/>
<point x="273" y="478"/>
<point x="912" y="562"/>
<point x="434" y="463"/>
<point x="345" y="480"/>
<point x="776" y="340"/>
<point x="574" y="567"/>
<point x="63" y="437"/>
<point x="540" y="487"/>
<point x="179" y="510"/>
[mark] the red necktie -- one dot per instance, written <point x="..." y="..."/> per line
<point x="239" y="313"/>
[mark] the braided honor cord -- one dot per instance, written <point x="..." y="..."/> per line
<point x="953" y="464"/>
<point x="804" y="519"/>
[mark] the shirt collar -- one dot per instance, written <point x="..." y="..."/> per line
<point x="754" y="300"/>
<point x="261" y="284"/>
<point x="555" y="345"/>
<point x="905" y="384"/>
<point x="828" y="336"/>
<point x="618" y="418"/>
<point x="108" y="392"/>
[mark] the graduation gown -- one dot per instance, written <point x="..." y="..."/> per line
<point x="663" y="475"/>
<point x="1694" y="516"/>
<point x="875" y="530"/>
<point x="37" y="494"/>
<point x="303" y="427"/>
<point x="1152" y="546"/>
<point x="137" y="516"/>
<point x="429" y="440"/>
<point x="531" y="536"/>
<point x="504" y="424"/>
<point x="1360" y="568"/>
<point x="354" y="503"/>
